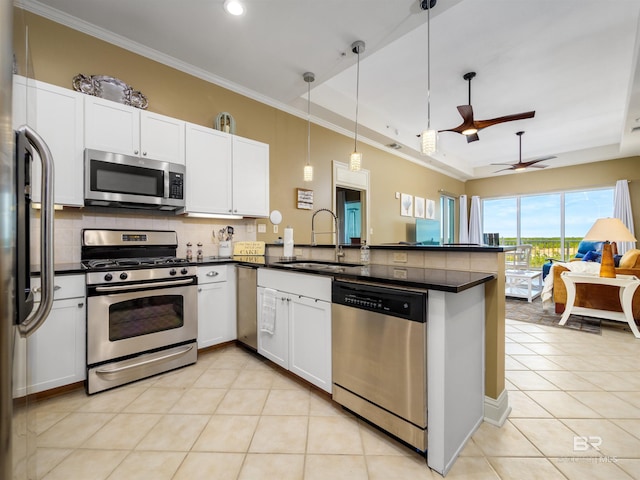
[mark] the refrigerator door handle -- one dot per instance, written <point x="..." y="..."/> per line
<point x="37" y="318"/>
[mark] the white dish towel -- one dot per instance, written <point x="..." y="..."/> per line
<point x="268" y="317"/>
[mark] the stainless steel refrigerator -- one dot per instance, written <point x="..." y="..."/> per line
<point x="19" y="317"/>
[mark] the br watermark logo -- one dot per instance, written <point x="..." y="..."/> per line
<point x="589" y="443"/>
<point x="582" y="444"/>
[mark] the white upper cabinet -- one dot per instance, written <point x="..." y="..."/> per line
<point x="208" y="179"/>
<point x="162" y="137"/>
<point x="111" y="127"/>
<point x="117" y="128"/>
<point x="226" y="174"/>
<point x="250" y="177"/>
<point x="56" y="114"/>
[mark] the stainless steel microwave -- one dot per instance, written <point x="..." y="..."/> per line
<point x="116" y="180"/>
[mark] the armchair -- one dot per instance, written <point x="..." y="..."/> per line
<point x="584" y="247"/>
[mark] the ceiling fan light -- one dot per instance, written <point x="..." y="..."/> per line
<point x="470" y="131"/>
<point x="308" y="173"/>
<point x="428" y="140"/>
<point x="233" y="7"/>
<point x="355" y="161"/>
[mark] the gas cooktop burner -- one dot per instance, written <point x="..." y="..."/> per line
<point x="133" y="262"/>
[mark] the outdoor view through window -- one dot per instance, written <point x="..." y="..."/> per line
<point x="554" y="223"/>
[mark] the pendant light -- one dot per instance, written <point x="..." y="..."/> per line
<point x="429" y="135"/>
<point x="308" y="168"/>
<point x="355" y="161"/>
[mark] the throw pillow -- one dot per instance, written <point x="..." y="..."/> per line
<point x="591" y="256"/>
<point x="630" y="258"/>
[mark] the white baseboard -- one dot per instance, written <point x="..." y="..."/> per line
<point x="497" y="410"/>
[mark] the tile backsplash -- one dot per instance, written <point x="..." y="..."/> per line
<point x="68" y="225"/>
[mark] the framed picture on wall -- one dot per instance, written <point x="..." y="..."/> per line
<point x="406" y="205"/>
<point x="304" y="199"/>
<point x="430" y="209"/>
<point x="418" y="208"/>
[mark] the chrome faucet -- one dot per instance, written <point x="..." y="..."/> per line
<point x="339" y="252"/>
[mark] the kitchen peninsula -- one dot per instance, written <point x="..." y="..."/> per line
<point x="464" y="258"/>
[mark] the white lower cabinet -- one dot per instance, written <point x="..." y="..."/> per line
<point x="55" y="354"/>
<point x="301" y="341"/>
<point x="216" y="305"/>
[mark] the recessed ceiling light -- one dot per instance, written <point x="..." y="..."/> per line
<point x="234" y="7"/>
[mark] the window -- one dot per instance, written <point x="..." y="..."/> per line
<point x="448" y="215"/>
<point x="553" y="223"/>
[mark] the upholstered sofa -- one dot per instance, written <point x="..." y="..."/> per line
<point x="603" y="297"/>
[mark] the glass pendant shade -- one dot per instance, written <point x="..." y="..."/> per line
<point x="308" y="173"/>
<point x="428" y="140"/>
<point x="355" y="161"/>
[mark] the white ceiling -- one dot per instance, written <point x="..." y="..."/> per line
<point x="575" y="62"/>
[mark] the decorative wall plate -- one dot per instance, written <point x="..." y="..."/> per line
<point x="109" y="88"/>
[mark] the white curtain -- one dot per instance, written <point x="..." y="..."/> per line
<point x="463" y="236"/>
<point x="475" y="235"/>
<point x="622" y="210"/>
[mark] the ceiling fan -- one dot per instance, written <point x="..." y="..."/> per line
<point x="470" y="127"/>
<point x="520" y="166"/>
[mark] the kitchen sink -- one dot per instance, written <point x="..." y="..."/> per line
<point x="320" y="265"/>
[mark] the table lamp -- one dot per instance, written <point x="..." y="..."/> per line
<point x="609" y="230"/>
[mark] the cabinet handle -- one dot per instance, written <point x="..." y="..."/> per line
<point x="288" y="299"/>
<point x="199" y="289"/>
<point x="135" y="151"/>
<point x="144" y="153"/>
<point x="38" y="289"/>
<point x="81" y="304"/>
<point x="212" y="274"/>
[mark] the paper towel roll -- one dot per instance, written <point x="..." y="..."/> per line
<point x="288" y="242"/>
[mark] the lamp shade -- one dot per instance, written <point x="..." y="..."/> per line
<point x="609" y="229"/>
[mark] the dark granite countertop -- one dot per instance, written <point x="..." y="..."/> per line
<point x="409" y="277"/>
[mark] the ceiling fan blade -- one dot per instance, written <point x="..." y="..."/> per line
<point x="541" y="159"/>
<point x="503" y="169"/>
<point x="472" y="138"/>
<point x="480" y="124"/>
<point x="466" y="112"/>
<point x="537" y="166"/>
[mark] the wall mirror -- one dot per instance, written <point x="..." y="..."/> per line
<point x="351" y="200"/>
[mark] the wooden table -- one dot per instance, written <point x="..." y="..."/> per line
<point x="627" y="284"/>
<point x="519" y="283"/>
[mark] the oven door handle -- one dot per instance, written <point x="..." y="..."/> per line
<point x="143" y="285"/>
<point x="107" y="371"/>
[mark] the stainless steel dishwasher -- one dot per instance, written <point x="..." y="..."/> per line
<point x="379" y="354"/>
<point x="247" y="309"/>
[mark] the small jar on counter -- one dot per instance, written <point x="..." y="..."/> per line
<point x="199" y="257"/>
<point x="189" y="252"/>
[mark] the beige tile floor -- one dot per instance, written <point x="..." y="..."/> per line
<point x="233" y="416"/>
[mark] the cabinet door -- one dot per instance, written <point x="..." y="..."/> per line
<point x="275" y="346"/>
<point x="57" y="350"/>
<point x="111" y="127"/>
<point x="250" y="177"/>
<point x="310" y="340"/>
<point x="162" y="137"/>
<point x="208" y="160"/>
<point x="215" y="324"/>
<point x="57" y="115"/>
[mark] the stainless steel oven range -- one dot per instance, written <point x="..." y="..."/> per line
<point x="141" y="306"/>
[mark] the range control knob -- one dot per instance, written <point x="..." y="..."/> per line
<point x="123" y="276"/>
<point x="184" y="271"/>
<point x="172" y="271"/>
<point x="108" y="277"/>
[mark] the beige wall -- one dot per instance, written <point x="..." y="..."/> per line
<point x="59" y="53"/>
<point x="590" y="175"/>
